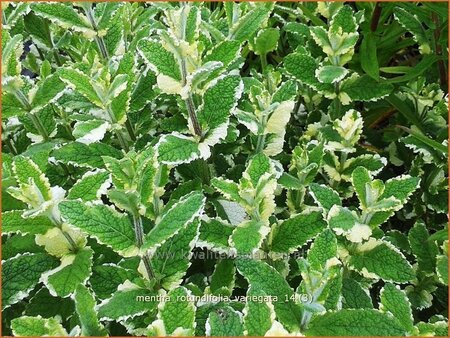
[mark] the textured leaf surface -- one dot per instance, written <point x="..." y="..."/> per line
<point x="83" y="155"/>
<point x="224" y="322"/>
<point x="258" y="315"/>
<point x="263" y="277"/>
<point x="20" y="274"/>
<point x="90" y="187"/>
<point x="27" y="326"/>
<point x="178" y="312"/>
<point x="395" y="301"/>
<point x="63" y="282"/>
<point x="384" y="261"/>
<point x="359" y="322"/>
<point x="12" y="221"/>
<point x="174" y="219"/>
<point x="127" y="303"/>
<point x="171" y="259"/>
<point x="103" y="223"/>
<point x="85" y="308"/>
<point x="297" y="231"/>
<point x="177" y="149"/>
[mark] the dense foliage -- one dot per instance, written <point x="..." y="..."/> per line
<point x="224" y="169"/>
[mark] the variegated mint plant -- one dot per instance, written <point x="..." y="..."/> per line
<point x="224" y="169"/>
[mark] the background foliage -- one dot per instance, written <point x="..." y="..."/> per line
<point x="291" y="150"/>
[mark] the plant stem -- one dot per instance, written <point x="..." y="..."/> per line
<point x="9" y="142"/>
<point x="139" y="234"/>
<point x="375" y="17"/>
<point x="34" y="118"/>
<point x="190" y="102"/>
<point x="263" y="59"/>
<point x="99" y="40"/>
<point x="69" y="238"/>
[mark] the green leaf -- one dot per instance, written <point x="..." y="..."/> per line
<point x="178" y="312"/>
<point x="48" y="91"/>
<point x="400" y="187"/>
<point x="176" y="218"/>
<point x="303" y="67"/>
<point x="442" y="268"/>
<point x="91" y="186"/>
<point x="91" y="131"/>
<point x="228" y="188"/>
<point x="13" y="222"/>
<point x="416" y="71"/>
<point x="129" y="301"/>
<point x="296" y="231"/>
<point x="259" y="165"/>
<point x="82" y="155"/>
<point x="266" y="41"/>
<point x="262" y="276"/>
<point x="44" y="304"/>
<point x="395" y="301"/>
<point x="323" y="248"/>
<point x="38" y="28"/>
<point x="172" y="259"/>
<point x="258" y="315"/>
<point x="226" y="51"/>
<point x="81" y="83"/>
<point x="106" y="278"/>
<point x="27" y="172"/>
<point x="361" y="181"/>
<point x="248" y="24"/>
<point x="20" y="275"/>
<point x="224" y="322"/>
<point x="346" y="222"/>
<point x="378" y="259"/>
<point x="11" y="106"/>
<point x="159" y="59"/>
<point x="247" y="237"/>
<point x="75" y="270"/>
<point x="365" y="88"/>
<point x="343" y="21"/>
<point x="103" y="223"/>
<point x="64" y="16"/>
<point x="411" y="23"/>
<point x="427" y="141"/>
<point x="215" y="112"/>
<point x="85" y="308"/>
<point x="355" y="296"/>
<point x="142" y="93"/>
<point x="175" y="149"/>
<point x="424" y="249"/>
<point x="324" y="196"/>
<point x="368" y="56"/>
<point x="355" y="322"/>
<point x="223" y="278"/>
<point x="11" y="53"/>
<point x="18" y="244"/>
<point x="214" y="235"/>
<point x="331" y="74"/>
<point x="27" y="326"/>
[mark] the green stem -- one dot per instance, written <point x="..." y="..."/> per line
<point x="9" y="142"/>
<point x="263" y="58"/>
<point x="38" y="125"/>
<point x="34" y="118"/>
<point x="139" y="234"/>
<point x="66" y="234"/>
<point x="99" y="40"/>
<point x="337" y="102"/>
<point x="260" y="143"/>
<point x="130" y="130"/>
<point x="190" y="102"/>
